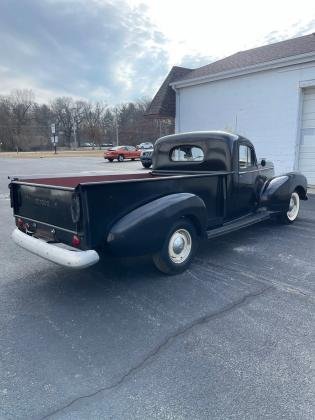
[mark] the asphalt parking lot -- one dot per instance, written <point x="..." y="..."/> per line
<point x="232" y="338"/>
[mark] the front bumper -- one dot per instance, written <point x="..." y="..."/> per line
<point x="71" y="258"/>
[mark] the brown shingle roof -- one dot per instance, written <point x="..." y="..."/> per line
<point x="291" y="47"/>
<point x="163" y="103"/>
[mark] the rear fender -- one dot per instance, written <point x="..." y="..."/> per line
<point x="276" y="193"/>
<point x="143" y="230"/>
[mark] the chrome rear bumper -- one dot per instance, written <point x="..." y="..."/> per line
<point x="71" y="258"/>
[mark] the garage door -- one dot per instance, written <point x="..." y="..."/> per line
<point x="307" y="146"/>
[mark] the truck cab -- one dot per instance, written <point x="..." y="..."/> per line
<point x="217" y="152"/>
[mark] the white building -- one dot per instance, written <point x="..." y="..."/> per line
<point x="267" y="94"/>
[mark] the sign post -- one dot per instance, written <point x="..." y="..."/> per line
<point x="54" y="138"/>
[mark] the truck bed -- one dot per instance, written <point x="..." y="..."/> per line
<point x="48" y="202"/>
<point x="74" y="181"/>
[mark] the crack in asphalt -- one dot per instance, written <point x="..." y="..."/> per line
<point x="151" y="355"/>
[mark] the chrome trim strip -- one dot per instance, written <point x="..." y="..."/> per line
<point x="255" y="170"/>
<point x="54" y="187"/>
<point x="46" y="224"/>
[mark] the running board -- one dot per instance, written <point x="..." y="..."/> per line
<point x="238" y="224"/>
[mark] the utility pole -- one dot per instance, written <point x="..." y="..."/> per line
<point x="116" y="127"/>
<point x="75" y="134"/>
<point x="74" y="128"/>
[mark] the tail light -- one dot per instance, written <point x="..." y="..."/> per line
<point x="75" y="241"/>
<point x="20" y="223"/>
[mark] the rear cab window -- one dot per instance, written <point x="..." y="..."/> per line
<point x="186" y="153"/>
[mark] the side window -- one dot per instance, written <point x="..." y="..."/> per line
<point x="246" y="157"/>
<point x="187" y="154"/>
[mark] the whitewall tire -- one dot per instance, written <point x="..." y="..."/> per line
<point x="178" y="249"/>
<point x="293" y="211"/>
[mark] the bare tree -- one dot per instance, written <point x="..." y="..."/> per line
<point x="93" y="118"/>
<point x="25" y="123"/>
<point x="21" y="102"/>
<point x="6" y="134"/>
<point x="63" y="115"/>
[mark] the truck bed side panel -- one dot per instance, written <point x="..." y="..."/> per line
<point x="107" y="203"/>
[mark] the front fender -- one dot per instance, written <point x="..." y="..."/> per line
<point x="277" y="191"/>
<point x="143" y="230"/>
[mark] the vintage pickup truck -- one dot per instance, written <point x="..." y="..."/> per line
<point x="203" y="185"/>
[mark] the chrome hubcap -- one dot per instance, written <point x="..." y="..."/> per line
<point x="179" y="246"/>
<point x="294" y="206"/>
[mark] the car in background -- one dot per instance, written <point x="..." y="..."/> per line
<point x="121" y="153"/>
<point x="145" y="145"/>
<point x="107" y="145"/>
<point x="146" y="157"/>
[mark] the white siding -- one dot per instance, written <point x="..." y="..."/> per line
<point x="264" y="107"/>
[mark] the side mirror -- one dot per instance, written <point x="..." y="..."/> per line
<point x="263" y="162"/>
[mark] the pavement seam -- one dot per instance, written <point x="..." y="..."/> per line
<point x="280" y="285"/>
<point x="151" y="355"/>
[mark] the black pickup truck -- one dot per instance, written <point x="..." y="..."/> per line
<point x="203" y="185"/>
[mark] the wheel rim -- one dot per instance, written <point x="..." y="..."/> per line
<point x="179" y="247"/>
<point x="294" y="207"/>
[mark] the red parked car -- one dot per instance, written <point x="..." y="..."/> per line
<point x="122" y="152"/>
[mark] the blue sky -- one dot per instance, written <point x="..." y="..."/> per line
<point x="121" y="50"/>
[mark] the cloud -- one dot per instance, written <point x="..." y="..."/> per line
<point x="193" y="61"/>
<point x="295" y="30"/>
<point x="95" y="50"/>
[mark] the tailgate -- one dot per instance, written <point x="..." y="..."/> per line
<point x="49" y="205"/>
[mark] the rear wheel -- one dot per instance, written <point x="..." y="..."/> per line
<point x="178" y="249"/>
<point x="293" y="212"/>
<point x="133" y="158"/>
<point x="120" y="158"/>
<point x="146" y="165"/>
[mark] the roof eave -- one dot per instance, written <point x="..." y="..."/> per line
<point x="282" y="62"/>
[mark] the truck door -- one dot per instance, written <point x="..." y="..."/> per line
<point x="247" y="174"/>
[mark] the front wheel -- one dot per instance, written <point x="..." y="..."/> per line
<point x="120" y="158"/>
<point x="293" y="212"/>
<point x="146" y="165"/>
<point x="110" y="160"/>
<point x="178" y="249"/>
